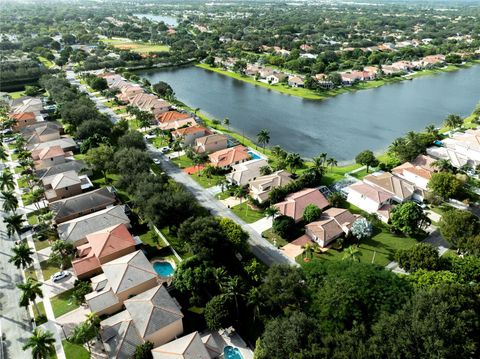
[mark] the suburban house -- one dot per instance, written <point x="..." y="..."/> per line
<point x="210" y="143"/>
<point x="276" y="77"/>
<point x="43" y="134"/>
<point x="127" y="91"/>
<point x="252" y="70"/>
<point x="27" y="104"/>
<point x="66" y="143"/>
<point x="171" y="116"/>
<point x="82" y="204"/>
<point x="64" y="185"/>
<point x="190" y="134"/>
<point x="191" y="346"/>
<point x="152" y="316"/>
<point x="295" y="203"/>
<point x="296" y="81"/>
<point x="401" y="189"/>
<point x="370" y="199"/>
<point x="102" y="247"/>
<point x="174" y="124"/>
<point x="22" y="119"/>
<point x="333" y="223"/>
<point x="418" y="172"/>
<point x="122" y="278"/>
<point x="151" y="103"/>
<point x="324" y="81"/>
<point x="245" y="172"/>
<point x="263" y="185"/>
<point x="30" y="130"/>
<point x="68" y="165"/>
<point x="229" y="156"/>
<point x="457" y="159"/>
<point x="76" y="230"/>
<point x="49" y="156"/>
<point x="465" y="144"/>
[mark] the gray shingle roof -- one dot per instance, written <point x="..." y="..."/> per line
<point x="76" y="166"/>
<point x="78" y="228"/>
<point x="153" y="310"/>
<point x="120" y="336"/>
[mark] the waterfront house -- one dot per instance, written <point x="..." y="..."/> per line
<point x="150" y="103"/>
<point x="82" y="204"/>
<point x="265" y="72"/>
<point x="122" y="278"/>
<point x="228" y="157"/>
<point x="152" y="316"/>
<point x="76" y="230"/>
<point x="403" y="66"/>
<point x="434" y="59"/>
<point x="210" y="143"/>
<point x="190" y="134"/>
<point x="324" y="81"/>
<point x="457" y="159"/>
<point x="128" y="91"/>
<point x="102" y="247"/>
<point x="296" y="81"/>
<point x="191" y="346"/>
<point x="172" y="120"/>
<point x="295" y="203"/>
<point x="276" y="78"/>
<point x="389" y="70"/>
<point x="418" y="172"/>
<point x="334" y="223"/>
<point x="466" y="144"/>
<point x="263" y="185"/>
<point x="370" y="199"/>
<point x="252" y="70"/>
<point x="243" y="173"/>
<point x="401" y="189"/>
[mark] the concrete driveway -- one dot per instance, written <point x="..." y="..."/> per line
<point x="51" y="289"/>
<point x="262" y="225"/>
<point x="72" y="319"/>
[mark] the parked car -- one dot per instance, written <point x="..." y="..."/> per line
<point x="60" y="275"/>
<point x="165" y="149"/>
<point x="156" y="161"/>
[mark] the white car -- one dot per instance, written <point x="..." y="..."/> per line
<point x="60" y="275"/>
<point x="156" y="161"/>
<point x="165" y="149"/>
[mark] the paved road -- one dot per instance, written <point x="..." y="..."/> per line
<point x="261" y="248"/>
<point x="14" y="321"/>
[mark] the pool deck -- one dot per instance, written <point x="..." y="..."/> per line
<point x="234" y="340"/>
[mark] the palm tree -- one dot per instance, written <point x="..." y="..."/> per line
<point x="221" y="277"/>
<point x="234" y="289"/>
<point x="241" y="192"/>
<point x="31" y="289"/>
<point x="453" y="121"/>
<point x="42" y="344"/>
<point x="263" y="138"/>
<point x="3" y="154"/>
<point x="271" y="211"/>
<point x="208" y="171"/>
<point x="308" y="250"/>
<point x="36" y="196"/>
<point x="10" y="201"/>
<point x="6" y="181"/>
<point x="226" y="122"/>
<point x="279" y="152"/>
<point x="431" y="129"/>
<point x="331" y="162"/>
<point x="443" y="165"/>
<point x="294" y="162"/>
<point x="62" y="253"/>
<point x="223" y="183"/>
<point x="14" y="224"/>
<point x="22" y="255"/>
<point x="196" y="110"/>
<point x="352" y="253"/>
<point x="254" y="301"/>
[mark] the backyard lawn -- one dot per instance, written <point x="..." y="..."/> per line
<point x="380" y="249"/>
<point x="75" y="351"/>
<point x="246" y="213"/>
<point x="139" y="47"/>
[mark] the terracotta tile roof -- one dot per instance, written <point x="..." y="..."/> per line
<point x="392" y="184"/>
<point x="88" y="263"/>
<point x="326" y="229"/>
<point x="50" y="152"/>
<point x="110" y="240"/>
<point x="229" y="156"/>
<point x="301" y="241"/>
<point x="189" y="130"/>
<point x="371" y="192"/>
<point x="172" y="116"/>
<point x="295" y="203"/>
<point x="23" y="116"/>
<point x="422" y="166"/>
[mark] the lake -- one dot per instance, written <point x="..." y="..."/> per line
<point x="343" y="125"/>
<point x="168" y="20"/>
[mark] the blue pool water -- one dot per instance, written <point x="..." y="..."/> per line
<point x="163" y="269"/>
<point x="231" y="353"/>
<point x="254" y="155"/>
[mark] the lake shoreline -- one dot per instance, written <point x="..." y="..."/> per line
<point x="314" y="95"/>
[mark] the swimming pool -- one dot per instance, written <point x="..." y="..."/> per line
<point x="254" y="155"/>
<point x="163" y="269"/>
<point x="230" y="352"/>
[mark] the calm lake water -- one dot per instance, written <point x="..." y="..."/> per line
<point x="343" y="125"/>
<point x="168" y="20"/>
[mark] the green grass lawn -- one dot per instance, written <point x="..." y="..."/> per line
<point x="39" y="245"/>
<point x="16" y="94"/>
<point x="48" y="269"/>
<point x="246" y="213"/>
<point x="382" y="245"/>
<point x="47" y="63"/>
<point x="183" y="161"/>
<point x="75" y="351"/>
<point x="204" y="181"/>
<point x="160" y="141"/>
<point x="223" y="195"/>
<point x="63" y="303"/>
<point x="363" y="173"/>
<point x="30" y="273"/>
<point x="271" y="237"/>
<point x="139" y="47"/>
<point x="337" y="173"/>
<point x="99" y="182"/>
<point x="133" y="124"/>
<point x="43" y="317"/>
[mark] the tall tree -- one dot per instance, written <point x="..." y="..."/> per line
<point x="41" y="343"/>
<point x="31" y="289"/>
<point x="366" y="158"/>
<point x="22" y="255"/>
<point x="263" y="138"/>
<point x="6" y="181"/>
<point x="62" y="253"/>
<point x="10" y="201"/>
<point x="14" y="224"/>
<point x="100" y="159"/>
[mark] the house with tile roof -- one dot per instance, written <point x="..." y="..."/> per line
<point x="210" y="143"/>
<point x="401" y="189"/>
<point x="242" y="174"/>
<point x="171" y="116"/>
<point x="76" y="230"/>
<point x="68" y="165"/>
<point x="457" y="159"/>
<point x="190" y="134"/>
<point x="22" y="119"/>
<point x="86" y="203"/>
<point x="334" y="223"/>
<point x="418" y="172"/>
<point x="43" y="133"/>
<point x="27" y="104"/>
<point x="66" y="143"/>
<point x="296" y="81"/>
<point x="102" y="247"/>
<point x="174" y="125"/>
<point x="295" y="203"/>
<point x="465" y="144"/>
<point x="371" y="199"/>
<point x="187" y="347"/>
<point x="30" y="130"/>
<point x="228" y="157"/>
<point x="49" y="156"/>
<point x="62" y="185"/>
<point x="122" y="278"/>
<point x="152" y="316"/>
<point x="263" y="185"/>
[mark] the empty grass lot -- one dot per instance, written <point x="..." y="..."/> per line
<point x="138" y="47"/>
